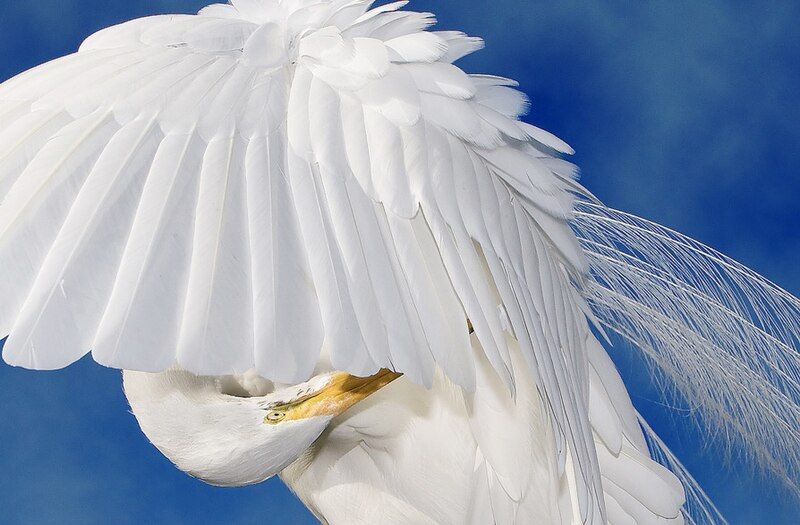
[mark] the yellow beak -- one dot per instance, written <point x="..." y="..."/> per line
<point x="342" y="392"/>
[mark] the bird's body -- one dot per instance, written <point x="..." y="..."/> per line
<point x="320" y="249"/>
<point x="408" y="454"/>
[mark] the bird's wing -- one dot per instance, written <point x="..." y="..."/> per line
<point x="508" y="487"/>
<point x="638" y="489"/>
<point x="726" y="338"/>
<point x="226" y="192"/>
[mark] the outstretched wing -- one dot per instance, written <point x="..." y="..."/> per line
<point x="727" y="338"/>
<point x="226" y="191"/>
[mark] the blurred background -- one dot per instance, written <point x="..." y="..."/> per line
<point x="683" y="112"/>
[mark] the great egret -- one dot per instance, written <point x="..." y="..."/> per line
<point x="319" y="249"/>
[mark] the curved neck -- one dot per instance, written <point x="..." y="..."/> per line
<point x="218" y="438"/>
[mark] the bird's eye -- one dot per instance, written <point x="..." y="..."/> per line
<point x="275" y="416"/>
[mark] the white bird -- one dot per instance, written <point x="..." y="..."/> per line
<point x="319" y="249"/>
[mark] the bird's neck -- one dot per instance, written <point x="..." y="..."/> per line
<point x="215" y="437"/>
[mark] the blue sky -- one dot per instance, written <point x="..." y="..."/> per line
<point x="684" y="112"/>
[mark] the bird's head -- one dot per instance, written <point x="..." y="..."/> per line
<point x="228" y="440"/>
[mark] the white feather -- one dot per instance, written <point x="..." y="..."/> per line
<point x="35" y="207"/>
<point x="723" y="335"/>
<point x="343" y="335"/>
<point x="59" y="318"/>
<point x="287" y="322"/>
<point x="218" y="311"/>
<point x="459" y="45"/>
<point x="442" y="79"/>
<point x="22" y="140"/>
<point x="417" y="47"/>
<point x="440" y="312"/>
<point x="145" y="307"/>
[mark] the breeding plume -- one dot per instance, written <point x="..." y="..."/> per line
<point x="320" y="249"/>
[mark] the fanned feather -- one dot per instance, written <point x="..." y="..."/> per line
<point x="61" y="313"/>
<point x="288" y="326"/>
<point x="145" y="307"/>
<point x="218" y="310"/>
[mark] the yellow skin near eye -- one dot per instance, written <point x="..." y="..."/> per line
<point x="342" y="392"/>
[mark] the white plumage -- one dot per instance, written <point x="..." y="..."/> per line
<point x="299" y="186"/>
